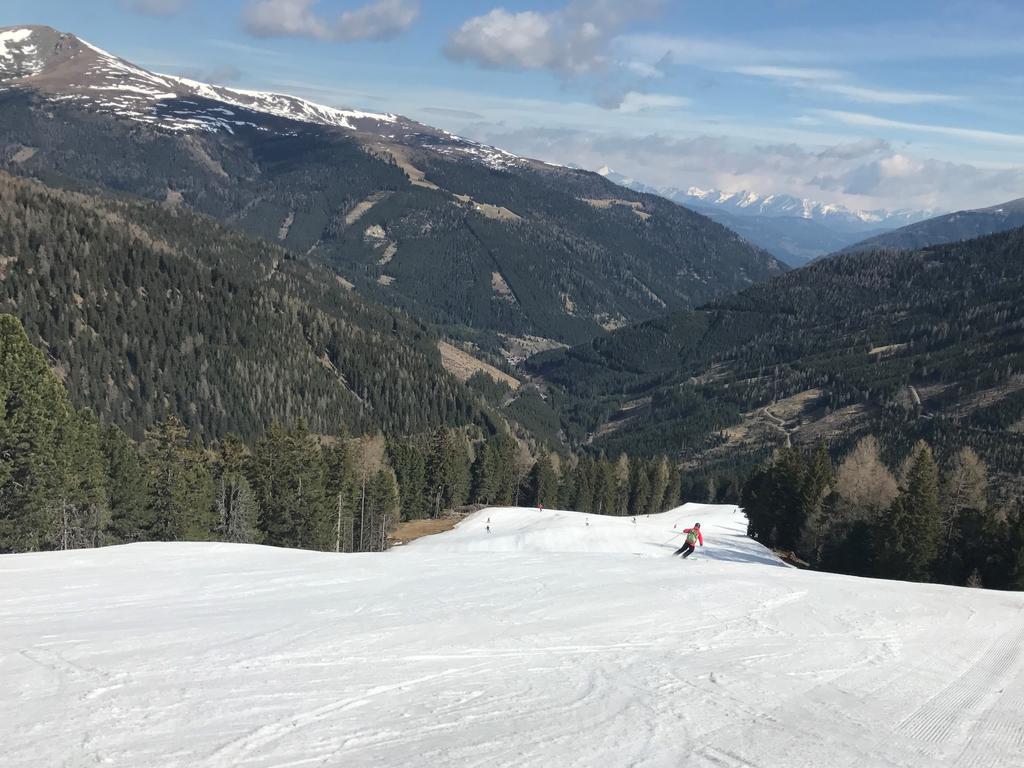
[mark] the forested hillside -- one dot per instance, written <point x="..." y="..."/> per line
<point x="68" y="480"/>
<point x="928" y="344"/>
<point x="518" y="248"/>
<point x="148" y="310"/>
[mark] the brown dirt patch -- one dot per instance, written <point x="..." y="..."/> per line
<point x="23" y="155"/>
<point x="987" y="397"/>
<point x="463" y="365"/>
<point x="604" y="204"/>
<point x="361" y="208"/>
<point x="417" y="529"/>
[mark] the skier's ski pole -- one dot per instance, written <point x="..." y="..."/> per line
<point x="666" y="541"/>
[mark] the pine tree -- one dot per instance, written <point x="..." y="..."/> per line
<point x="640" y="487"/>
<point x="289" y="480"/>
<point x="341" y="487"/>
<point x="818" y="482"/>
<point x="674" y="494"/>
<point x="606" y="487"/>
<point x="179" y="489"/>
<point x="1013" y="548"/>
<point x="34" y="408"/>
<point x="383" y="503"/>
<point x="908" y="541"/>
<point x="505" y="459"/>
<point x="773" y="499"/>
<point x="659" y="486"/>
<point x="448" y="472"/>
<point x="81" y="511"/>
<point x="410" y="465"/>
<point x="622" y="486"/>
<point x="567" y="486"/>
<point x="543" y="481"/>
<point x="789" y="493"/>
<point x="236" y="506"/>
<point x="584" y="483"/>
<point x="125" y="486"/>
<point x="483" y="479"/>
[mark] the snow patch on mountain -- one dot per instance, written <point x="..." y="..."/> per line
<point x="65" y="68"/>
<point x="281" y="105"/>
<point x="18" y="56"/>
<point x="749" y="203"/>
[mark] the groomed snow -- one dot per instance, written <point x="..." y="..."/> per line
<point x="544" y="642"/>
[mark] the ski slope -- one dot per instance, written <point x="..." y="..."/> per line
<point x="546" y="641"/>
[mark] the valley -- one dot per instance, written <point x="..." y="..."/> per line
<point x="347" y="419"/>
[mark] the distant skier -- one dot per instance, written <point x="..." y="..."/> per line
<point x="693" y="536"/>
<point x="540" y="507"/>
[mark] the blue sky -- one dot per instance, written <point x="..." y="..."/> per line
<point x="905" y="104"/>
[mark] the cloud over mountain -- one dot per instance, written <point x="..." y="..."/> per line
<point x="155" y="7"/>
<point x="378" y="20"/>
<point x="861" y="174"/>
<point x="572" y="41"/>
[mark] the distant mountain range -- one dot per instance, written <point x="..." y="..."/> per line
<point x="962" y="225"/>
<point x="468" y="237"/>
<point x="793" y="229"/>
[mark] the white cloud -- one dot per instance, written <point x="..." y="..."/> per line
<point x="885" y="96"/>
<point x="571" y="41"/>
<point x="378" y="20"/>
<point x="718" y="54"/>
<point x="790" y="73"/>
<point x="831" y="81"/>
<point x="783" y="65"/>
<point x="975" y="135"/>
<point x="645" y="102"/>
<point x="503" y="40"/>
<point x="156" y="7"/>
<point x="644" y="70"/>
<point x="864" y="174"/>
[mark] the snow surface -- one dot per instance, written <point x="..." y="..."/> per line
<point x="547" y="641"/>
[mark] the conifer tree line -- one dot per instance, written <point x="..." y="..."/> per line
<point x="68" y="481"/>
<point x="916" y="522"/>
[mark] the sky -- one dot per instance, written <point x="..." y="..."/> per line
<point x="900" y="104"/>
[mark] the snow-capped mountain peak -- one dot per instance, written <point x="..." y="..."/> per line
<point x="68" y="68"/>
<point x="282" y="105"/>
<point x="749" y="203"/>
<point x="64" y="68"/>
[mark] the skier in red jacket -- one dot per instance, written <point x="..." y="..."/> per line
<point x="693" y="535"/>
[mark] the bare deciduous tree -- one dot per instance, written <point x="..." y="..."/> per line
<point x="865" y="486"/>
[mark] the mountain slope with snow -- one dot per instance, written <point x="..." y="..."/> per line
<point x="574" y="645"/>
<point x="453" y="232"/>
<point x="69" y="69"/>
<point x="793" y="229"/>
<point x="748" y="203"/>
<point x="787" y="206"/>
<point x="951" y="228"/>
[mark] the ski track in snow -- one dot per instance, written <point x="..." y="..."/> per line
<point x="555" y="639"/>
